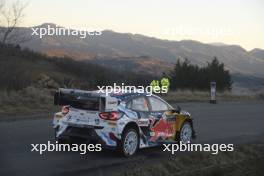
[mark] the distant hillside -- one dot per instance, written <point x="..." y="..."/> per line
<point x="140" y="54"/>
<point x="23" y="68"/>
<point x="259" y="53"/>
<point x="143" y="64"/>
<point x="125" y="45"/>
<point x="218" y="44"/>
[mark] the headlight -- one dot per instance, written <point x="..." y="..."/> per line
<point x="185" y="113"/>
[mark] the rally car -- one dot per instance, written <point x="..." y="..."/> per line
<point x="127" y="121"/>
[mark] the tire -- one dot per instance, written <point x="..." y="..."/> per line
<point x="129" y="143"/>
<point x="185" y="134"/>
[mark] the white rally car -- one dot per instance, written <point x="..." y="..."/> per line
<point x="126" y="121"/>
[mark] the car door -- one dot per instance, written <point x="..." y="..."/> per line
<point x="163" y="127"/>
<point x="140" y="105"/>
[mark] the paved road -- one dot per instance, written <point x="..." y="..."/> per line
<point x="221" y="123"/>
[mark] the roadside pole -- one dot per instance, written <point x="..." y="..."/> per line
<point x="213" y="92"/>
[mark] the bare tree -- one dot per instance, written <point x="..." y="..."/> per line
<point x="10" y="17"/>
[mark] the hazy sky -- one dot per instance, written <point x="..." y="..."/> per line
<point x="228" y="21"/>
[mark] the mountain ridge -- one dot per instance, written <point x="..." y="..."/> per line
<point x="113" y="45"/>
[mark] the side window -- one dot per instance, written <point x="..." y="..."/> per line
<point x="138" y="104"/>
<point x="158" y="105"/>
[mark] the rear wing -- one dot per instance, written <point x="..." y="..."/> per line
<point x="86" y="100"/>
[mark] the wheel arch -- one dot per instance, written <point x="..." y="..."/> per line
<point x="129" y="125"/>
<point x="133" y="125"/>
<point x="180" y="121"/>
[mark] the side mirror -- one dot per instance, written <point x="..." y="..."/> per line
<point x="176" y="110"/>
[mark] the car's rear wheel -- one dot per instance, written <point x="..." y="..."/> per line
<point x="130" y="142"/>
<point x="185" y="134"/>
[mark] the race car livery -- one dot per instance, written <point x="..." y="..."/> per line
<point x="126" y="121"/>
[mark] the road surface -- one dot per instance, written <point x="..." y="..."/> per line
<point x="239" y="122"/>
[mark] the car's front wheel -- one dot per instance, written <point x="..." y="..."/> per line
<point x="186" y="133"/>
<point x="130" y="142"/>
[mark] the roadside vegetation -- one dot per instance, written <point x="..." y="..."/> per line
<point x="23" y="68"/>
<point x="247" y="160"/>
<point x="28" y="80"/>
<point x="188" y="76"/>
<point x="30" y="100"/>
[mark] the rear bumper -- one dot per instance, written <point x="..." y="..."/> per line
<point x="82" y="134"/>
<point x="74" y="134"/>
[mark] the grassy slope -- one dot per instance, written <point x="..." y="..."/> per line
<point x="246" y="160"/>
<point x="20" y="68"/>
<point x="28" y="79"/>
<point x="30" y="100"/>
